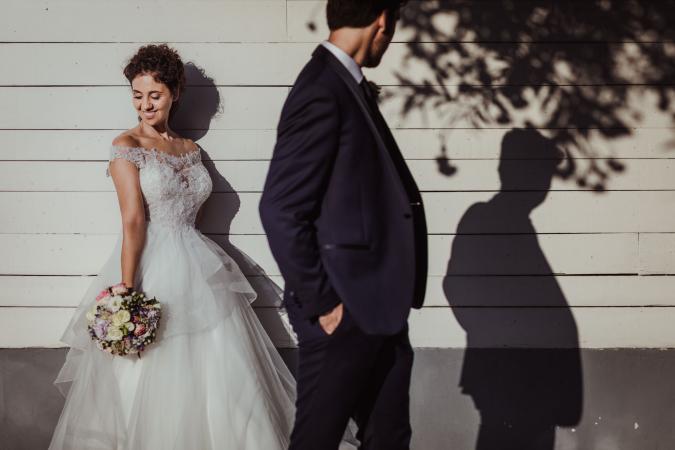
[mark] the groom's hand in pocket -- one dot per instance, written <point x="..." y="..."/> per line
<point x="330" y="321"/>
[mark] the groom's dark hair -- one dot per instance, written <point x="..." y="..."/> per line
<point x="357" y="13"/>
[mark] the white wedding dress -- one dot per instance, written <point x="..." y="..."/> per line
<point x="213" y="379"/>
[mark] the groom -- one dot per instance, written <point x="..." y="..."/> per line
<point x="345" y="222"/>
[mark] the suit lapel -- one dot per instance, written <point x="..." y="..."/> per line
<point x="355" y="89"/>
<point x="358" y="95"/>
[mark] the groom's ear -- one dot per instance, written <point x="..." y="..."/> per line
<point x="380" y="23"/>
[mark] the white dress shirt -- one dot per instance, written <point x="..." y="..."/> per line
<point x="346" y="60"/>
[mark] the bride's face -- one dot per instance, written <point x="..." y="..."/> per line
<point x="151" y="99"/>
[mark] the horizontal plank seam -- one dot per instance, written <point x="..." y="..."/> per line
<point x="441" y="307"/>
<point x="609" y="233"/>
<point x="447" y="191"/>
<point x="100" y="160"/>
<point x="303" y="41"/>
<point x="599" y="158"/>
<point x="487" y="128"/>
<point x="385" y="85"/>
<point x="487" y="274"/>
<point x="582" y="275"/>
<point x="434" y="128"/>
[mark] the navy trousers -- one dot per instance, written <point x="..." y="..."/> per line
<point x="350" y="374"/>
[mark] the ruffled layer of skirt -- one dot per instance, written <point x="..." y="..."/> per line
<point x="213" y="379"/>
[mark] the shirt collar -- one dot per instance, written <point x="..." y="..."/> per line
<point x="346" y="60"/>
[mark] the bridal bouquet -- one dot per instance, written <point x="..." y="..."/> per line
<point x="123" y="323"/>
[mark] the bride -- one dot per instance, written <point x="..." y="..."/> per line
<point x="213" y="379"/>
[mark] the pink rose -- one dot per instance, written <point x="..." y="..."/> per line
<point x="104" y="293"/>
<point x="119" y="289"/>
<point x="139" y="330"/>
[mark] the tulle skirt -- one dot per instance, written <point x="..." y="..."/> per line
<point x="213" y="379"/>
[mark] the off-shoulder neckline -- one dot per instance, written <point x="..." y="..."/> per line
<point x="155" y="150"/>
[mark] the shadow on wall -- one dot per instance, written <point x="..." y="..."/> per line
<point x="200" y="103"/>
<point x="582" y="72"/>
<point x="522" y="392"/>
<point x="580" y="69"/>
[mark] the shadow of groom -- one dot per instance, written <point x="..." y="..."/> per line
<point x="522" y="364"/>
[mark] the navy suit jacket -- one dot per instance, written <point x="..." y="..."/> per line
<point x="343" y="215"/>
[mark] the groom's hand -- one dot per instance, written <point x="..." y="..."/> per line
<point x="330" y="321"/>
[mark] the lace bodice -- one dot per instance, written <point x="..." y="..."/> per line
<point x="174" y="187"/>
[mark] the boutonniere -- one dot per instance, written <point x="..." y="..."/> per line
<point x="374" y="89"/>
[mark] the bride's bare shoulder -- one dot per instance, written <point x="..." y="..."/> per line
<point x="188" y="145"/>
<point x="126" y="139"/>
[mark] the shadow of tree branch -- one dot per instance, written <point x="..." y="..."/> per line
<point x="576" y="69"/>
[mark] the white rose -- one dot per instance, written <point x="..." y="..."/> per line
<point x="115" y="303"/>
<point x="121" y="317"/>
<point x="129" y="326"/>
<point x="114" y="333"/>
<point x="91" y="314"/>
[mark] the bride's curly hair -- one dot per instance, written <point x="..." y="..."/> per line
<point x="163" y="62"/>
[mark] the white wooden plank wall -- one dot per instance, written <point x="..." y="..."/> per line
<point x="63" y="99"/>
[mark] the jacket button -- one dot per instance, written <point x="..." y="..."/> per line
<point x="407" y="215"/>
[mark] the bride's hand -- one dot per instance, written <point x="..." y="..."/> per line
<point x="330" y="321"/>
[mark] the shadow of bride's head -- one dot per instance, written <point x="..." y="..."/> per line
<point x="199" y="104"/>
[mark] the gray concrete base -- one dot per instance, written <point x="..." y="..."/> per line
<point x="626" y="400"/>
<point x="622" y="399"/>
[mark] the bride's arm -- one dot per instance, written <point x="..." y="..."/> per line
<point x="128" y="187"/>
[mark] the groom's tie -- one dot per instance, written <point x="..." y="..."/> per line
<point x="375" y="111"/>
<point x="368" y="94"/>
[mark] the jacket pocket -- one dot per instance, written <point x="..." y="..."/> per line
<point x="345" y="246"/>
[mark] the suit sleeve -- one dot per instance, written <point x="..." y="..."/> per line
<point x="307" y="144"/>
